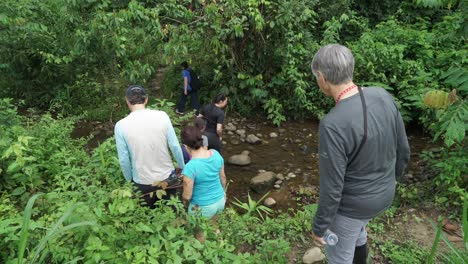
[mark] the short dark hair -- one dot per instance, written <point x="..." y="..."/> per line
<point x="219" y="97"/>
<point x="136" y="94"/>
<point x="191" y="137"/>
<point x="184" y="64"/>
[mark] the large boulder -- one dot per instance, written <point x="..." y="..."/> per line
<point x="253" y="139"/>
<point x="242" y="159"/>
<point x="263" y="182"/>
<point x="313" y="255"/>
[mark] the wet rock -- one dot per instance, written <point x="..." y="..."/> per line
<point x="313" y="255"/>
<point x="252" y="139"/>
<point x="251" y="126"/>
<point x="280" y="176"/>
<point x="230" y="127"/>
<point x="240" y="132"/>
<point x="242" y="159"/>
<point x="262" y="182"/>
<point x="269" y="202"/>
<point x="291" y="175"/>
<point x="276" y="186"/>
<point x="273" y="135"/>
<point x="278" y="182"/>
<point x="235" y="142"/>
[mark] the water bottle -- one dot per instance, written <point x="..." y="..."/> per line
<point x="330" y="238"/>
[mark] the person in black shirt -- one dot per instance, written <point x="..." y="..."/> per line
<point x="214" y="116"/>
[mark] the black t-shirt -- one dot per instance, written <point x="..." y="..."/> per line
<point x="213" y="115"/>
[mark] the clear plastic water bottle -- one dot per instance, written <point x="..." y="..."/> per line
<point x="330" y="238"/>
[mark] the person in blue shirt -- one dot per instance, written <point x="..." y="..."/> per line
<point x="204" y="177"/>
<point x="187" y="90"/>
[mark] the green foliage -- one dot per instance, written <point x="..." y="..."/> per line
<point x="87" y="213"/>
<point x="455" y="255"/>
<point x="253" y="206"/>
<point x="408" y="253"/>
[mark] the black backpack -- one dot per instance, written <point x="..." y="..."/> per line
<point x="195" y="82"/>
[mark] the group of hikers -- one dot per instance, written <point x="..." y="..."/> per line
<point x="363" y="151"/>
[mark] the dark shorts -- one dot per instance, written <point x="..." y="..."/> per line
<point x="150" y="199"/>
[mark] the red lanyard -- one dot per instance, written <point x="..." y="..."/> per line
<point x="345" y="91"/>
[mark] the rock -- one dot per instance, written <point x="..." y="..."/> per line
<point x="313" y="255"/>
<point x="251" y="126"/>
<point x="262" y="182"/>
<point x="281" y="130"/>
<point x="230" y="127"/>
<point x="276" y="186"/>
<point x="259" y="135"/>
<point x="409" y="176"/>
<point x="252" y="139"/>
<point x="109" y="133"/>
<point x="230" y="133"/>
<point x="235" y="142"/>
<point x="269" y="202"/>
<point x="242" y="159"/>
<point x="298" y="170"/>
<point x="242" y="139"/>
<point x="278" y="182"/>
<point x="260" y="171"/>
<point x="280" y="176"/>
<point x="224" y="142"/>
<point x="291" y="175"/>
<point x="240" y="132"/>
<point x="454" y="238"/>
<point x="273" y="135"/>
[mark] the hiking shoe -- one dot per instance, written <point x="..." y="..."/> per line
<point x="179" y="113"/>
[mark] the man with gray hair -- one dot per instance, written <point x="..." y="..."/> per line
<point x="363" y="151"/>
<point x="143" y="141"/>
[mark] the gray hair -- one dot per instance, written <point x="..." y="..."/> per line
<point x="335" y="62"/>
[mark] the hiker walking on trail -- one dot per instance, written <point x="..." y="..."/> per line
<point x="214" y="115"/>
<point x="143" y="141"/>
<point x="363" y="151"/>
<point x="204" y="178"/>
<point x="188" y="89"/>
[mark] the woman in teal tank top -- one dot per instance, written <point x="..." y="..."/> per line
<point x="204" y="178"/>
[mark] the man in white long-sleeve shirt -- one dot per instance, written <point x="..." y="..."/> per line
<point x="143" y="141"/>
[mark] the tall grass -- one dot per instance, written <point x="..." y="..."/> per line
<point x="58" y="229"/>
<point x="456" y="255"/>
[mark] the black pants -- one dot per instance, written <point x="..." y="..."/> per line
<point x="183" y="99"/>
<point x="149" y="196"/>
<point x="213" y="141"/>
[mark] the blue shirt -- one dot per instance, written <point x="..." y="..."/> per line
<point x="186" y="73"/>
<point x="207" y="187"/>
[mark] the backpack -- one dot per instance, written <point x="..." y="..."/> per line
<point x="195" y="82"/>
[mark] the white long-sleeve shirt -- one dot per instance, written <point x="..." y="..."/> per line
<point x="143" y="140"/>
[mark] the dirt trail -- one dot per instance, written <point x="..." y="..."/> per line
<point x="154" y="85"/>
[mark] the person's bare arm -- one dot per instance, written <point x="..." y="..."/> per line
<point x="188" y="190"/>
<point x="219" y="131"/>
<point x="185" y="85"/>
<point x="222" y="177"/>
